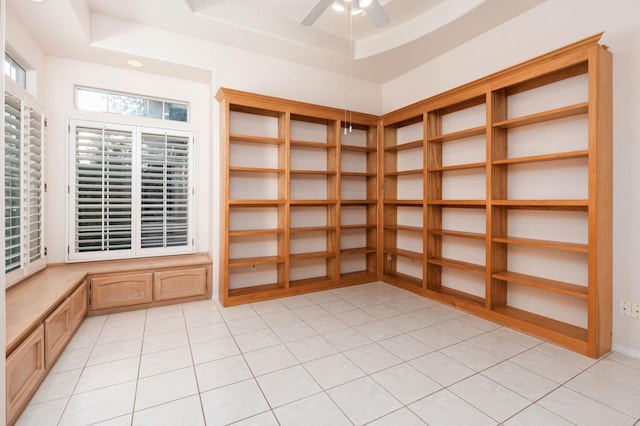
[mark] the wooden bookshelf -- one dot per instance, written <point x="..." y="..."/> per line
<point x="482" y="137"/>
<point x="461" y="197"/>
<point x="284" y="173"/>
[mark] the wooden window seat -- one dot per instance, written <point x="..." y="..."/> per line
<point x="44" y="310"/>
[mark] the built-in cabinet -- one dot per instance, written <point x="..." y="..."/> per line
<point x="28" y="364"/>
<point x="25" y="371"/>
<point x="494" y="197"/>
<point x="121" y="291"/>
<point x="299" y="195"/>
<point x="515" y="220"/>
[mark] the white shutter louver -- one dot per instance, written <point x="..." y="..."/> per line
<point x="164" y="190"/>
<point x="35" y="194"/>
<point x="13" y="130"/>
<point x="103" y="182"/>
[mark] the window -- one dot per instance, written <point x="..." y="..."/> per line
<point x="130" y="104"/>
<point x="14" y="71"/>
<point x="24" y="185"/>
<point x="130" y="191"/>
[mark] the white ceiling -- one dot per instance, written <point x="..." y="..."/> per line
<point x="418" y="31"/>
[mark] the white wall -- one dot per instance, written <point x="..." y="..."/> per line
<point x="551" y="25"/>
<point x="61" y="76"/>
<point x="24" y="49"/>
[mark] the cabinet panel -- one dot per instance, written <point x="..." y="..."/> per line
<point x="57" y="331"/>
<point x="180" y="283"/>
<point x="121" y="290"/>
<point x="79" y="304"/>
<point x="25" y="371"/>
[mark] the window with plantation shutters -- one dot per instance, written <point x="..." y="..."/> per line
<point x="35" y="208"/>
<point x="130" y="191"/>
<point x="164" y="190"/>
<point x="24" y="184"/>
<point x="13" y="185"/>
<point x="103" y="184"/>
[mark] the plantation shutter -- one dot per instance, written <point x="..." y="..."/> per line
<point x="164" y="190"/>
<point x="36" y="184"/>
<point x="103" y="185"/>
<point x="13" y="134"/>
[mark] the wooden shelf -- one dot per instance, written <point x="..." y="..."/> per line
<point x="357" y="148"/>
<point x="557" y="330"/>
<point x="255" y="139"/>
<point x="556" y="245"/>
<point x="458" y="203"/>
<point x="459" y="234"/>
<point x="458" y="264"/>
<point x="405" y="146"/>
<point x="405" y="172"/>
<point x="254" y="169"/>
<point x="312" y="172"/>
<point x="462" y="134"/>
<point x="256" y="203"/>
<point x="251" y="232"/>
<point x="404" y="228"/>
<point x="541" y="117"/>
<point x="359" y="174"/>
<point x="543" y="204"/>
<point x="363" y="226"/>
<point x="314" y="281"/>
<point x="248" y="261"/>
<point x="312" y="202"/>
<point x="355" y="251"/>
<point x="311" y="229"/>
<point x="569" y="289"/>
<point x="315" y="145"/>
<point x="404" y="278"/>
<point x="256" y="289"/>
<point x="546" y="157"/>
<point x="468" y="166"/>
<point x="404" y="202"/>
<point x="359" y="276"/>
<point x="310" y="255"/>
<point x="358" y="202"/>
<point x="404" y="253"/>
<point x="460" y="295"/>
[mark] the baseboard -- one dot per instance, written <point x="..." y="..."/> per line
<point x="633" y="353"/>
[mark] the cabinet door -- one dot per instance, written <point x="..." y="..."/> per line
<point x="79" y="303"/>
<point x="179" y="283"/>
<point x="57" y="332"/>
<point x="111" y="291"/>
<point x="25" y="371"/>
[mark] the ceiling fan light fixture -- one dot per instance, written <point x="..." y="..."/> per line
<point x="338" y="6"/>
<point x="364" y="3"/>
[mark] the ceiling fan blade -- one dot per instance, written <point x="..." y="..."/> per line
<point x="315" y="13"/>
<point x="377" y="14"/>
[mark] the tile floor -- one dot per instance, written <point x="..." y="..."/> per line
<point x="369" y="354"/>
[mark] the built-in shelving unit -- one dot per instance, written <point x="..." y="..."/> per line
<point x="300" y="198"/>
<point x="517" y="205"/>
<point x="494" y="197"/>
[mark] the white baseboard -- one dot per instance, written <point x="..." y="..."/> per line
<point x="633" y="353"/>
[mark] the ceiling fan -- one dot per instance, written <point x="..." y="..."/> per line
<point x="373" y="8"/>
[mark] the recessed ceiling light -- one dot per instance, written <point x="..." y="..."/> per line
<point x="135" y="63"/>
<point x="338" y="6"/>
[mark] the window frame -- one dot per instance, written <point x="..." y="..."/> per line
<point x="27" y="104"/>
<point x="136" y="250"/>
